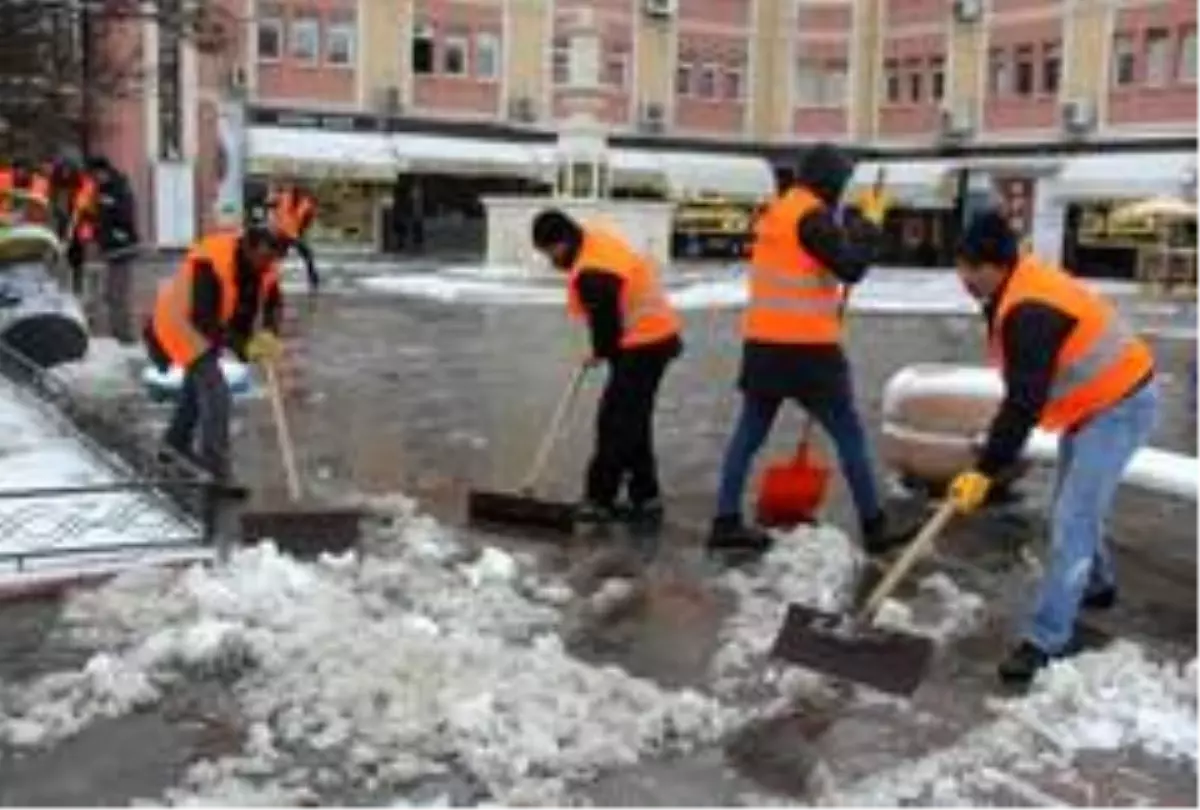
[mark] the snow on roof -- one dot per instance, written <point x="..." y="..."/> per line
<point x="1124" y="176"/>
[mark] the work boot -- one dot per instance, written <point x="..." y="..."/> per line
<point x="878" y="537"/>
<point x="1022" y="664"/>
<point x="729" y="534"/>
<point x="594" y="514"/>
<point x="644" y="513"/>
<point x="1102" y="598"/>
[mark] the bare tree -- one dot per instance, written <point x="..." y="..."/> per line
<point x="61" y="61"/>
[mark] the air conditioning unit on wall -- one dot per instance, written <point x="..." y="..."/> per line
<point x="652" y="118"/>
<point x="957" y="122"/>
<point x="968" y="11"/>
<point x="661" y="9"/>
<point x="1079" y="116"/>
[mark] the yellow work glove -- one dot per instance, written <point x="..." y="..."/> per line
<point x="264" y="346"/>
<point x="969" y="490"/>
<point x="873" y="205"/>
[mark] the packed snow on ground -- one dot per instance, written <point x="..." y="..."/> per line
<point x="35" y="452"/>
<point x="366" y="680"/>
<point x="1108" y="700"/>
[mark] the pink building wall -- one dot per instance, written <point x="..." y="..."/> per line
<point x="469" y="93"/>
<point x="292" y="80"/>
<point x="906" y="118"/>
<point x="1140" y="103"/>
<point x="716" y="34"/>
<point x="897" y="13"/>
<point x="1039" y="110"/>
<point x="615" y="19"/>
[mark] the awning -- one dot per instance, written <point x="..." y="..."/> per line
<point x="1126" y="176"/>
<point x="378" y="155"/>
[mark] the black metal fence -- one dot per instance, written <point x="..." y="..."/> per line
<point x="154" y="493"/>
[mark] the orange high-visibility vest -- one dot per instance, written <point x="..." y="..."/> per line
<point x="83" y="208"/>
<point x="290" y="212"/>
<point x="7" y="180"/>
<point x="172" y="318"/>
<point x="793" y="298"/>
<point x="1102" y="360"/>
<point x="646" y="314"/>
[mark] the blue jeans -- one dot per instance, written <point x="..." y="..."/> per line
<point x="839" y="419"/>
<point x="1091" y="462"/>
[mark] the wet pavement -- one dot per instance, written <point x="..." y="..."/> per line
<point x="392" y="394"/>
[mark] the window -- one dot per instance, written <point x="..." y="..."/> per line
<point x="270" y="38"/>
<point x="808" y="83"/>
<point x="1158" y="52"/>
<point x="706" y="85"/>
<point x="833" y="88"/>
<point x="916" y="80"/>
<point x="615" y="66"/>
<point x="1124" y="61"/>
<point x="999" y="75"/>
<point x="422" y="49"/>
<point x="1185" y="68"/>
<point x="683" y="79"/>
<point x="561" y="60"/>
<point x="1024" y="71"/>
<point x="454" y="55"/>
<point x="487" y="56"/>
<point x="733" y="82"/>
<point x="340" y="39"/>
<point x="937" y="77"/>
<point x="304" y="41"/>
<point x="891" y="72"/>
<point x="1051" y="68"/>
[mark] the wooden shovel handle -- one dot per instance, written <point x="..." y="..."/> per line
<point x="552" y="430"/>
<point x="916" y="549"/>
<point x="287" y="451"/>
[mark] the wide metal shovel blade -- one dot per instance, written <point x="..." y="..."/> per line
<point x="835" y="644"/>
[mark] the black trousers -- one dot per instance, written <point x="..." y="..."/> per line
<point x="310" y="262"/>
<point x="624" y="452"/>
<point x="204" y="400"/>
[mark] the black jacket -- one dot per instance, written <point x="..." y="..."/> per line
<point x="816" y="372"/>
<point x="116" y="217"/>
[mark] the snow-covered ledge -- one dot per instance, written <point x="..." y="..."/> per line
<point x="646" y="224"/>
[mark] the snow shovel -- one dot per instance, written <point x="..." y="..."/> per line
<point x="523" y="508"/>
<point x="304" y="532"/>
<point x="849" y="647"/>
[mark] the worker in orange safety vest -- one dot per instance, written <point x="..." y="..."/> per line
<point x="803" y="257"/>
<point x="294" y="209"/>
<point x="1071" y="365"/>
<point x="225" y="295"/>
<point x="634" y="329"/>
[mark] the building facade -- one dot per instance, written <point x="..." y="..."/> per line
<point x="918" y="78"/>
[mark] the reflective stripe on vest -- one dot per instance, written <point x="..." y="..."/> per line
<point x="793" y="299"/>
<point x="646" y="314"/>
<point x="1102" y="360"/>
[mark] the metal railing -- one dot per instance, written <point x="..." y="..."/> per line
<point x="155" y="492"/>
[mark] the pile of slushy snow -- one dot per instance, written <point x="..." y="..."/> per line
<point x="108" y="369"/>
<point x="1109" y="700"/>
<point x="365" y="679"/>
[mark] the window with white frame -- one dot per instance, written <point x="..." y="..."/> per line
<point x="706" y="82"/>
<point x="423" y="49"/>
<point x="270" y="34"/>
<point x="999" y="73"/>
<point x="454" y="54"/>
<point x="616" y="68"/>
<point x="937" y="77"/>
<point x="341" y="42"/>
<point x="891" y="81"/>
<point x="1023" y="74"/>
<point x="808" y="83"/>
<point x="304" y="38"/>
<point x="1124" y="61"/>
<point x="734" y="81"/>
<point x="915" y="73"/>
<point x="487" y="56"/>
<point x="683" y="78"/>
<point x="561" y="60"/>
<point x="1158" y="56"/>
<point x="833" y="85"/>
<point x="1185" y="68"/>
<point x="1051" y="68"/>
